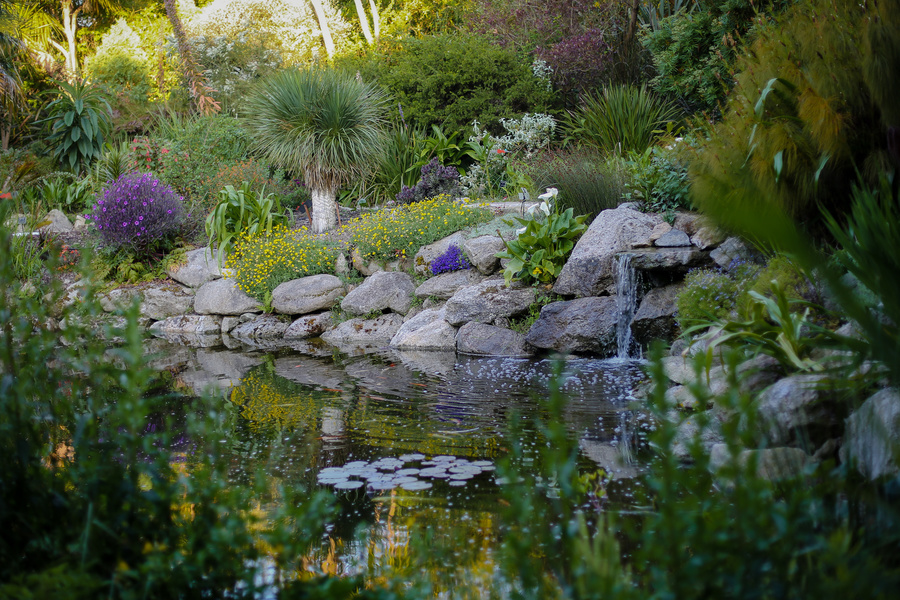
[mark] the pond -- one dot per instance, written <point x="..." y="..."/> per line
<point x="407" y="440"/>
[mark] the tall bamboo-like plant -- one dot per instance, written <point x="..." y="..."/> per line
<point x="327" y="124"/>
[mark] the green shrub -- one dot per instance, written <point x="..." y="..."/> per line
<point x="659" y="178"/>
<point x="244" y="211"/>
<point x="263" y="260"/>
<point x="399" y="232"/>
<point x="586" y="181"/>
<point x="122" y="75"/>
<point x="711" y="294"/>
<point x="79" y="118"/>
<point x="620" y="119"/>
<point x="452" y="80"/>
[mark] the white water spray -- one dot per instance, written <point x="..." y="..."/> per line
<point x="626" y="305"/>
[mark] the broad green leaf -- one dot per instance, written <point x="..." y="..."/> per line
<point x="69" y="118"/>
<point x="75" y="134"/>
<point x="79" y="105"/>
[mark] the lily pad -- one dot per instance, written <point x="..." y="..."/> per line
<point x="413" y="486"/>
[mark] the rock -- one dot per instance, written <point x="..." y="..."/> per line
<point x="430" y="362"/>
<point x="188" y="324"/>
<point x="872" y="435"/>
<point x="487" y="340"/>
<point x="229" y="323"/>
<point x="383" y="290"/>
<point x="369" y="267"/>
<point x="232" y="366"/>
<point x="690" y="431"/>
<point x="443" y="286"/>
<point x="708" y="236"/>
<point x="308" y="326"/>
<point x="58" y="222"/>
<point x="307" y="294"/>
<point x="119" y="299"/>
<point x="658" y="231"/>
<point x="426" y="331"/>
<point x="202" y="265"/>
<point x="581" y="325"/>
<point x="80" y="223"/>
<point x="341" y="264"/>
<point x="796" y="408"/>
<point x="426" y="254"/>
<point x="167" y="300"/>
<point x="673" y="239"/>
<point x="678" y="369"/>
<point x="487" y="301"/>
<point x="772" y="464"/>
<point x="655" y="316"/>
<point x="733" y="249"/>
<point x="590" y="270"/>
<point x="481" y="251"/>
<point x="266" y="327"/>
<point x="223" y="297"/>
<point x="752" y="376"/>
<point x="365" y="332"/>
<point x="687" y="222"/>
<point x="677" y="260"/>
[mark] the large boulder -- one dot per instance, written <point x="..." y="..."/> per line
<point x="120" y="299"/>
<point x="57" y="222"/>
<point x="481" y="251"/>
<point x="798" y="407"/>
<point x="365" y="332"/>
<point x="872" y="435"/>
<point x="428" y="330"/>
<point x="426" y="254"/>
<point x="674" y="238"/>
<point x="201" y="265"/>
<point x="308" y="326"/>
<point x="264" y="327"/>
<point x="488" y="340"/>
<point x="677" y="259"/>
<point x="443" y="286"/>
<point x="773" y="464"/>
<point x="655" y="317"/>
<point x="590" y="270"/>
<point x="307" y="294"/>
<point x="488" y="301"/>
<point x="384" y="290"/>
<point x="164" y="301"/>
<point x="733" y="249"/>
<point x="223" y="297"/>
<point x="188" y="324"/>
<point x="581" y="325"/>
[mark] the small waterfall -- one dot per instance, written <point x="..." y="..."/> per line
<point x="626" y="304"/>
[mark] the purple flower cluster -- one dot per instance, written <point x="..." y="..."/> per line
<point x="435" y="180"/>
<point x="137" y="212"/>
<point x="454" y="259"/>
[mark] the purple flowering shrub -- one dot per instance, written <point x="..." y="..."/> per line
<point x="435" y="180"/>
<point x="137" y="213"/>
<point x="580" y="63"/>
<point x="454" y="259"/>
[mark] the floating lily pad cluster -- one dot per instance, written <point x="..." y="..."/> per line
<point x="411" y="472"/>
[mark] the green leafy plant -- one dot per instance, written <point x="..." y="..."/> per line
<point x="620" y="119"/>
<point x="398" y="165"/>
<point x="543" y="244"/>
<point x="72" y="197"/>
<point x="659" y="178"/>
<point x="243" y="210"/>
<point x="79" y="118"/>
<point x="711" y="294"/>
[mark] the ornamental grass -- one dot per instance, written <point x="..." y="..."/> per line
<point x="261" y="262"/>
<point x="399" y="232"/>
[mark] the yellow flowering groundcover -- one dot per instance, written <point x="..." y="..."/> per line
<point x="399" y="232"/>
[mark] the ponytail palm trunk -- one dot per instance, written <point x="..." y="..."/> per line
<point x="325" y="124"/>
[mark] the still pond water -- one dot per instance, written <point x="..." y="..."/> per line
<point x="406" y="440"/>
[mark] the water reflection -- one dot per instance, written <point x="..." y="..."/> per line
<point x="297" y="415"/>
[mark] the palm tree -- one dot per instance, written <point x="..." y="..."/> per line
<point x="326" y="124"/>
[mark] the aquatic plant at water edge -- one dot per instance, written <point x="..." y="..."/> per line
<point x="399" y="232"/>
<point x="454" y="259"/>
<point x="138" y="213"/>
<point x="263" y="260"/>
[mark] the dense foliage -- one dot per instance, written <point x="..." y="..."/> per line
<point x="435" y="179"/>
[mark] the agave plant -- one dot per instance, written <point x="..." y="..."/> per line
<point x="326" y="124"/>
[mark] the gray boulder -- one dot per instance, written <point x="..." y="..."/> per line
<point x="796" y="408"/>
<point x="677" y="260"/>
<point x="223" y="297"/>
<point x="443" y="286"/>
<point x="704" y="429"/>
<point x="590" y="270"/>
<point x="384" y="290"/>
<point x="430" y="362"/>
<point x="687" y="222"/>
<point x="307" y="294"/>
<point x="731" y="250"/>
<point x="481" y="251"/>
<point x="308" y="326"/>
<point x="708" y="236"/>
<point x="365" y="332"/>
<point x="872" y="435"/>
<point x="367" y="266"/>
<point x="426" y="254"/>
<point x="581" y="325"/>
<point x="188" y="324"/>
<point x="488" y="301"/>
<point x="673" y="239"/>
<point x="264" y="327"/>
<point x="58" y="222"/>
<point x="229" y="323"/>
<point x="487" y="340"/>
<point x="119" y="299"/>
<point x="167" y="300"/>
<point x="773" y="464"/>
<point x="202" y="265"/>
<point x="428" y="330"/>
<point x="658" y="231"/>
<point x="655" y="317"/>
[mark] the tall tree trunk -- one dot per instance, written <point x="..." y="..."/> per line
<point x="70" y="27"/>
<point x="323" y="25"/>
<point x="201" y="92"/>
<point x="364" y="21"/>
<point x="376" y="19"/>
<point x="324" y="210"/>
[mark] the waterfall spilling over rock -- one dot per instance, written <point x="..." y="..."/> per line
<point x="626" y="304"/>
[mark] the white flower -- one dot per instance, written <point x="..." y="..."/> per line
<point x="549" y="194"/>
